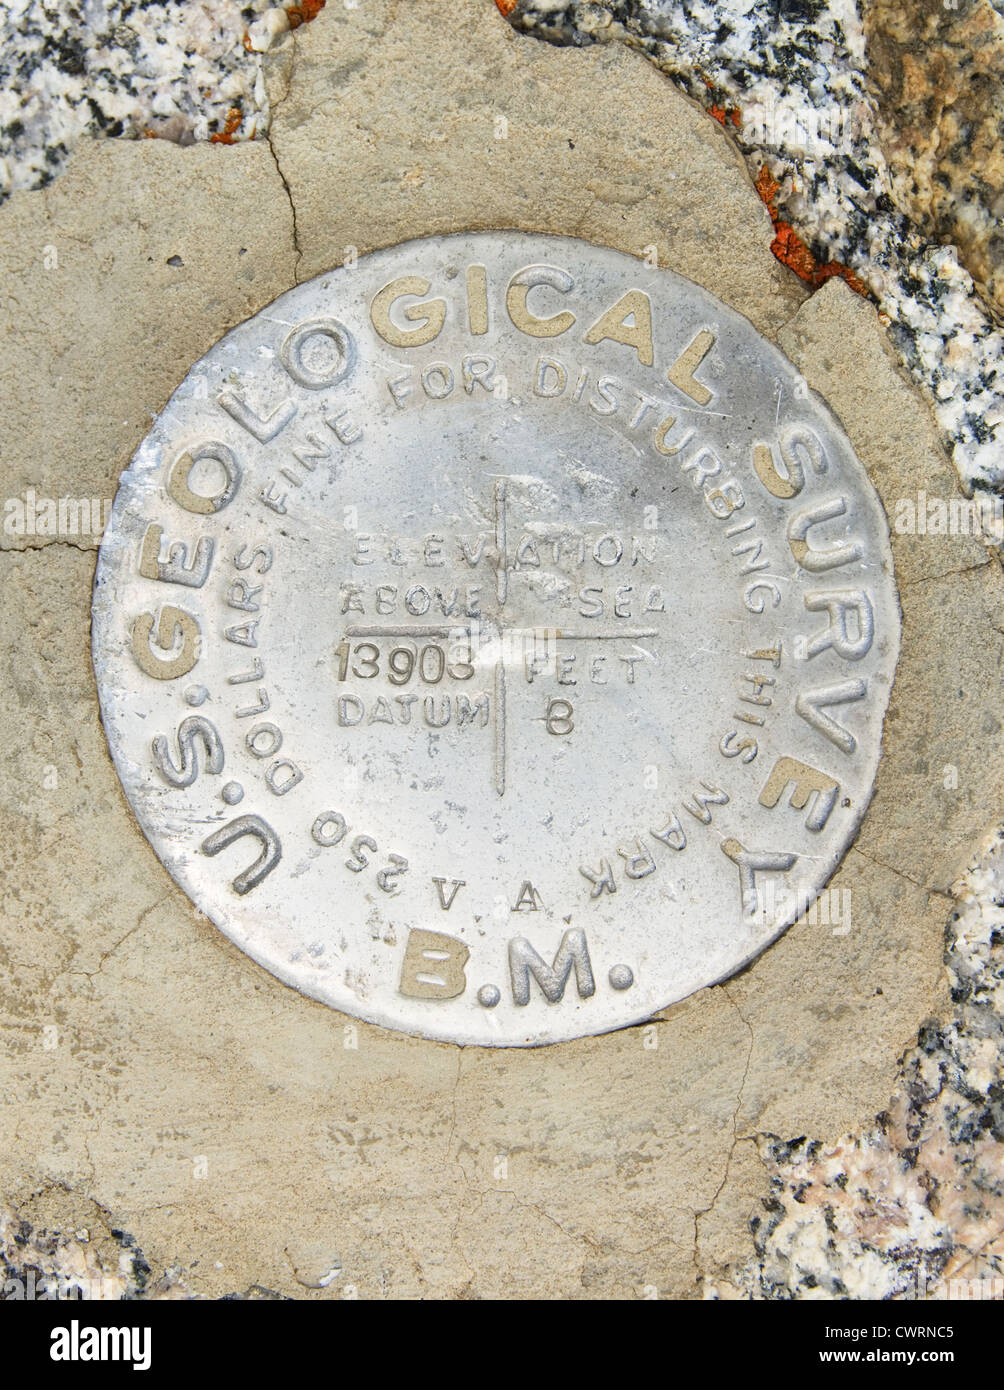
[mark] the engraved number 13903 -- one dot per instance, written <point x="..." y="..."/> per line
<point x="429" y="663"/>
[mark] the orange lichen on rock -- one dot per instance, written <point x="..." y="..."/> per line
<point x="792" y="251"/>
<point x="789" y="247"/>
<point x="726" y="113"/>
<point x="230" y="128"/>
<point x="507" y="6"/>
<point x="719" y="110"/>
<point x="304" y="12"/>
<point x="832" y="268"/>
<point x="768" y="188"/>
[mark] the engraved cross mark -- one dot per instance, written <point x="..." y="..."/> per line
<point x="495" y="633"/>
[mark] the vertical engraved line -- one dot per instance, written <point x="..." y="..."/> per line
<point x="500" y="726"/>
<point x="502" y="566"/>
<point x="477" y="298"/>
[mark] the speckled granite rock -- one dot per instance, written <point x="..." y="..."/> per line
<point x="245" y="1137"/>
<point x="168" y="68"/>
<point x="938" y="71"/>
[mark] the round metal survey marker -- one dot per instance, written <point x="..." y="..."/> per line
<point x="493" y="638"/>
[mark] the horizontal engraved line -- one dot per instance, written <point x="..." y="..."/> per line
<point x="628" y="635"/>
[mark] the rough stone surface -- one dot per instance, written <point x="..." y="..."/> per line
<point x="380" y="127"/>
<point x="135" y="261"/>
<point x="248" y="1140"/>
<point x="938" y="72"/>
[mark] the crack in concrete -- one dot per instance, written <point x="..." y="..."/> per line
<point x="297" y="249"/>
<point x="481" y="1192"/>
<point x="737" y="1138"/>
<point x="594" y="199"/>
<point x="457" y="1243"/>
<point x="267" y="133"/>
<point x="122" y="940"/>
<point x="949" y="574"/>
<point x="881" y="864"/>
<point x="552" y="1220"/>
<point x="453" y="1125"/>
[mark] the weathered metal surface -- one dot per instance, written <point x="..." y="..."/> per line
<point x="493" y="638"/>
